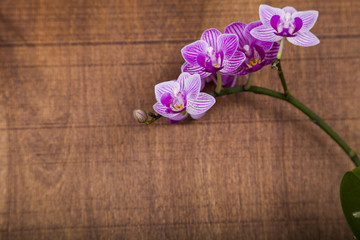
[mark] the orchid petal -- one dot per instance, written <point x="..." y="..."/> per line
<point x="242" y="70"/>
<point x="195" y="69"/>
<point x="266" y="12"/>
<point x="308" y="18"/>
<point x="192" y="86"/>
<point x="178" y="117"/>
<point x="201" y="104"/>
<point x="298" y="23"/>
<point x="265" y="45"/>
<point x="228" y="81"/>
<point x="233" y="63"/>
<point x="191" y="51"/>
<point x="288" y="9"/>
<point x="166" y="99"/>
<point x="165" y="87"/>
<point x="198" y="116"/>
<point x="210" y="36"/>
<point x="227" y="43"/>
<point x="238" y="29"/>
<point x="271" y="54"/>
<point x="274" y="22"/>
<point x="305" y="39"/>
<point x="264" y="33"/>
<point x="203" y="82"/>
<point x="162" y="110"/>
<point x="182" y="79"/>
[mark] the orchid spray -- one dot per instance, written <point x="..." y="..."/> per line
<point x="242" y="50"/>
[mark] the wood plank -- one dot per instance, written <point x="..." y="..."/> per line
<point x="75" y="165"/>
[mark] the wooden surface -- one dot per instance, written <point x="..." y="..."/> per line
<point x="75" y="165"/>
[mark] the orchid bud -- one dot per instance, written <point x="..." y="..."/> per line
<point x="140" y="115"/>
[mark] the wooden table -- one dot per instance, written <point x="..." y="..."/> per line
<point x="75" y="165"/>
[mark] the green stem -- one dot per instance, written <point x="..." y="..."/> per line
<point x="278" y="56"/>
<point x="219" y="82"/>
<point x="276" y="63"/>
<point x="251" y="78"/>
<point x="296" y="103"/>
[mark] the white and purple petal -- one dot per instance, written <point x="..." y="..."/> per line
<point x="191" y="51"/>
<point x="210" y="36"/>
<point x="265" y="33"/>
<point x="308" y="19"/>
<point x="304" y="39"/>
<point x="242" y="70"/>
<point x="271" y="54"/>
<point x="178" y="117"/>
<point x="233" y="63"/>
<point x="195" y="69"/>
<point x="266" y="12"/>
<point x="227" y="43"/>
<point x="264" y="45"/>
<point x="200" y="105"/>
<point x="238" y="29"/>
<point x="165" y="87"/>
<point x="288" y="9"/>
<point x="192" y="86"/>
<point x="182" y="79"/>
<point x="162" y="110"/>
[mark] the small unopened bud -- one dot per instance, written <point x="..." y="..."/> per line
<point x="140" y="115"/>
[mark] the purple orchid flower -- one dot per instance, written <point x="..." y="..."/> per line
<point x="286" y="23"/>
<point x="214" y="52"/>
<point x="182" y="97"/>
<point x="258" y="53"/>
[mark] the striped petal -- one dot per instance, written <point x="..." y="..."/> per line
<point x="201" y="104"/>
<point x="210" y="36"/>
<point x="304" y="39"/>
<point x="161" y="109"/>
<point x="191" y="52"/>
<point x="227" y="43"/>
<point x="165" y="87"/>
<point x="238" y="29"/>
<point x="271" y="54"/>
<point x="265" y="33"/>
<point x="192" y="85"/>
<point x="308" y="19"/>
<point x="266" y="12"/>
<point x="288" y="9"/>
<point x="233" y="63"/>
<point x="194" y="69"/>
<point x="242" y="70"/>
<point x="265" y="45"/>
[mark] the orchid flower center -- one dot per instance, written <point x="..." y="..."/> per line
<point x="178" y="101"/>
<point x="254" y="61"/>
<point x="287" y="26"/>
<point x="246" y="47"/>
<point x="215" y="61"/>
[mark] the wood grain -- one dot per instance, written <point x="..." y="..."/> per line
<point x="75" y="165"/>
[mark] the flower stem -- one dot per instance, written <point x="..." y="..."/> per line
<point x="248" y="84"/>
<point x="276" y="63"/>
<point x="296" y="103"/>
<point x="219" y="82"/>
<point x="278" y="56"/>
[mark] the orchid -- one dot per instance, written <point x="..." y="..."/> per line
<point x="179" y="98"/>
<point x="286" y="23"/>
<point x="242" y="50"/>
<point x="214" y="52"/>
<point x="258" y="53"/>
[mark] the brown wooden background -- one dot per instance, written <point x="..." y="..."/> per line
<point x="75" y="165"/>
